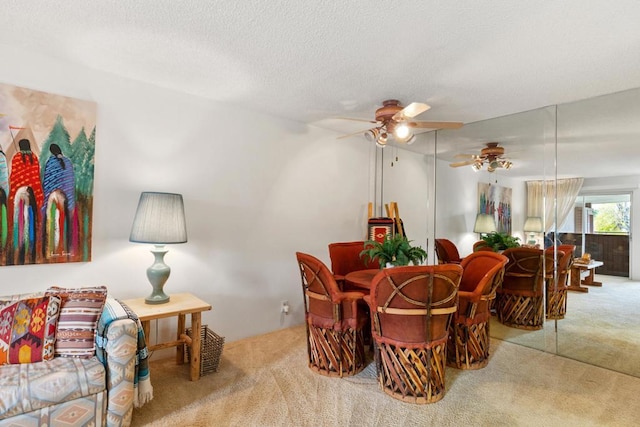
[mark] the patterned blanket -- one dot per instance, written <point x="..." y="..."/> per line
<point x="116" y="310"/>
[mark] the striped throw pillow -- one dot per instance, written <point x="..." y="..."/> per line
<point x="80" y="309"/>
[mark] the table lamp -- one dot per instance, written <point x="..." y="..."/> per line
<point x="532" y="225"/>
<point x="485" y="224"/>
<point x="159" y="220"/>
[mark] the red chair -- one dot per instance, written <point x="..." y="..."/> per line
<point x="411" y="309"/>
<point x="556" y="297"/>
<point x="520" y="299"/>
<point x="469" y="332"/>
<point x="345" y="258"/>
<point x="334" y="319"/>
<point x="447" y="252"/>
<point x="481" y="245"/>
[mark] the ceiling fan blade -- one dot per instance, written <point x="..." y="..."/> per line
<point x="465" y="156"/>
<point x="436" y="125"/>
<point x="410" y="111"/>
<point x="465" y="163"/>
<point x="352" y="134"/>
<point x="356" y="120"/>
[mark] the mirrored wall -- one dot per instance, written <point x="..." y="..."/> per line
<point x="594" y="139"/>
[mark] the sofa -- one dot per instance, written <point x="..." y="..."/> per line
<point x="66" y="366"/>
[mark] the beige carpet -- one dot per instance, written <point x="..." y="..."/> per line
<point x="601" y="327"/>
<point x="265" y="381"/>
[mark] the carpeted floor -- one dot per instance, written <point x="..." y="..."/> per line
<point x="265" y="381"/>
<point x="601" y="327"/>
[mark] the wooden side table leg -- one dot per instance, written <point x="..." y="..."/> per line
<point x="196" y="320"/>
<point x="180" y="347"/>
<point x="575" y="281"/>
<point x="146" y="328"/>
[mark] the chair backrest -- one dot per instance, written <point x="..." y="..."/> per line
<point x="345" y="258"/>
<point x="565" y="260"/>
<point x="481" y="245"/>
<point x="325" y="305"/>
<point x="483" y="271"/>
<point x="414" y="304"/>
<point x="526" y="269"/>
<point x="447" y="252"/>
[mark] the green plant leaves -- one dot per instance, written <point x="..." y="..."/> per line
<point x="501" y="241"/>
<point x="395" y="250"/>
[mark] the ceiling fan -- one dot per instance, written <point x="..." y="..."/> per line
<point x="491" y="155"/>
<point x="394" y="120"/>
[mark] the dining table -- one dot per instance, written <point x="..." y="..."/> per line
<point x="361" y="279"/>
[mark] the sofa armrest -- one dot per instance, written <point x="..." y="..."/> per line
<point x="120" y="364"/>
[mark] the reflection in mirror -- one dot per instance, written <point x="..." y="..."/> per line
<point x="470" y="181"/>
<point x="598" y="140"/>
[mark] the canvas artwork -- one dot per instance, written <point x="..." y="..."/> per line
<point x="496" y="200"/>
<point x="47" y="146"/>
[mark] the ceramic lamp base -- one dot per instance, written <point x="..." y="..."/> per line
<point x="158" y="273"/>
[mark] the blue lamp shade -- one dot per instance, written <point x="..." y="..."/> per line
<point x="485" y="223"/>
<point x="159" y="220"/>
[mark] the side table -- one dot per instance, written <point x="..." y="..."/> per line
<point x="577" y="280"/>
<point x="179" y="305"/>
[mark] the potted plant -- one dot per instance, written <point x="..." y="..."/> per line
<point x="393" y="251"/>
<point x="501" y="241"/>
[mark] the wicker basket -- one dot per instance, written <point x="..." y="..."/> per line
<point x="210" y="350"/>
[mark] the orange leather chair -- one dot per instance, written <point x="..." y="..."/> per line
<point x="481" y="245"/>
<point x="447" y="252"/>
<point x="334" y="320"/>
<point x="469" y="333"/>
<point x="345" y="258"/>
<point x="520" y="299"/>
<point x="411" y="310"/>
<point x="556" y="297"/>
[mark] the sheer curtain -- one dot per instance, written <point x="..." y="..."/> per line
<point x="566" y="192"/>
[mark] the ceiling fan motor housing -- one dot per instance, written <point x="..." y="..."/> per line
<point x="388" y="109"/>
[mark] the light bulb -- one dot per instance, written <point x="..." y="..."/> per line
<point x="476" y="166"/>
<point x="402" y="132"/>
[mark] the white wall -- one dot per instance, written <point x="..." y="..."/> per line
<point x="256" y="190"/>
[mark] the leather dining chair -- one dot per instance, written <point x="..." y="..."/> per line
<point x="447" y="252"/>
<point x="520" y="299"/>
<point x="411" y="309"/>
<point x="334" y="321"/>
<point x="481" y="245"/>
<point x="469" y="333"/>
<point x="345" y="258"/>
<point x="556" y="296"/>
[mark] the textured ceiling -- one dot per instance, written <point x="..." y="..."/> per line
<point x="313" y="60"/>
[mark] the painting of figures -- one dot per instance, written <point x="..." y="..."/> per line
<point x="47" y="147"/>
<point x="496" y="201"/>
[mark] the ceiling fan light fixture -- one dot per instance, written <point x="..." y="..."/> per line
<point x="507" y="164"/>
<point x="402" y="132"/>
<point x="372" y="135"/>
<point x="476" y="166"/>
